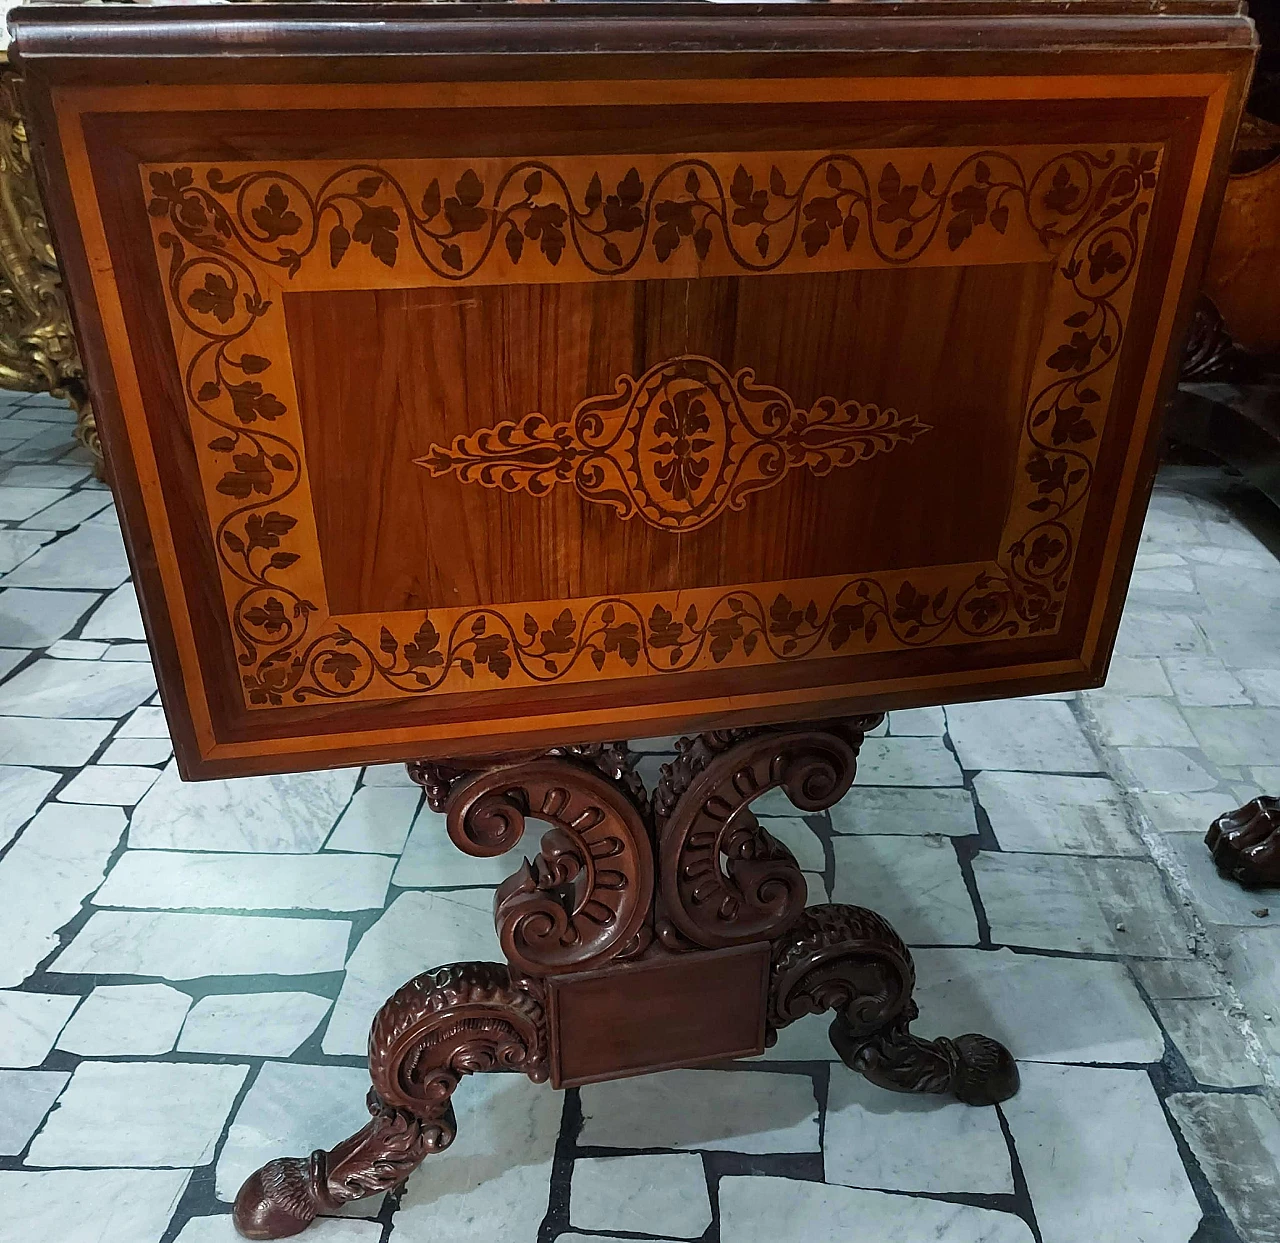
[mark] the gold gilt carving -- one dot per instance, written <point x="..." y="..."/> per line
<point x="678" y="446"/>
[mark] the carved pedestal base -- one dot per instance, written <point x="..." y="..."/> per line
<point x="1245" y="843"/>
<point x="684" y="908"/>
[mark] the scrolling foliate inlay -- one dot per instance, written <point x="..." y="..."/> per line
<point x="232" y="238"/>
<point x="678" y="446"/>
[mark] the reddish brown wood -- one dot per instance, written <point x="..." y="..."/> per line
<point x="1245" y="843"/>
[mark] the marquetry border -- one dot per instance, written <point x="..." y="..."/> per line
<point x="231" y="237"/>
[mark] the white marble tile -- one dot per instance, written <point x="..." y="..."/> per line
<point x="1253" y="966"/>
<point x="914" y="882"/>
<point x="22" y="790"/>
<point x="1157" y="560"/>
<point x="1168" y="980"/>
<point x="1062" y="902"/>
<point x="573" y="1237"/>
<point x="1204" y="681"/>
<point x="117" y="785"/>
<point x="662" y="1193"/>
<point x="886" y="812"/>
<point x="57" y="862"/>
<point x="90" y="557"/>
<point x="10" y="659"/>
<point x="1161" y="581"/>
<point x="38" y="618"/>
<point x="805" y="1040"/>
<point x="1041" y="1009"/>
<point x="805" y="845"/>
<point x="25" y="1097"/>
<point x="1185" y="813"/>
<point x="1262" y="684"/>
<point x="907" y="762"/>
<point x="1211" y="1041"/>
<point x="117" y="617"/>
<point x="137" y="751"/>
<point x="145" y="722"/>
<point x="76" y="649"/>
<point x="89" y="1206"/>
<point x="139" y="653"/>
<point x="1020" y="735"/>
<point x="1099" y="1159"/>
<point x="431" y="860"/>
<point x="323" y="1230"/>
<point x="493" y="1182"/>
<point x="419" y="931"/>
<point x="76" y="688"/>
<point x="252" y="1024"/>
<point x="1246" y="642"/>
<point x="126" y="1019"/>
<point x="760" y="1209"/>
<point x="17" y="547"/>
<point x="1217" y="899"/>
<point x="1165" y="771"/>
<point x="1234" y="735"/>
<point x="1157" y="632"/>
<point x="1125" y="722"/>
<point x="288" y="814"/>
<point x="388" y="775"/>
<point x="42" y="740"/>
<point x="710" y="1110"/>
<point x="161" y="1114"/>
<point x="1136" y="675"/>
<point x="177" y="880"/>
<point x="19" y="503"/>
<point x="69" y="512"/>
<point x="879" y="1139"/>
<point x="187" y="947"/>
<point x="918" y="722"/>
<point x="57" y="476"/>
<point x="29" y="1024"/>
<point x="1057" y="815"/>
<point x="377" y="820"/>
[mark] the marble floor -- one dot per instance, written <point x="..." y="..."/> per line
<point x="187" y="972"/>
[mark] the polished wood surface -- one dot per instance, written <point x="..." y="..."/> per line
<point x="460" y="405"/>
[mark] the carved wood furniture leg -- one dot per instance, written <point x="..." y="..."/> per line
<point x="1245" y="843"/>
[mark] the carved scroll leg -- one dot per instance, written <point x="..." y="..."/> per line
<point x="442" y="1025"/>
<point x="849" y="960"/>
<point x="1245" y="843"/>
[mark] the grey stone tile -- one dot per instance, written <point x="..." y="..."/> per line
<point x="117" y="617"/>
<point x="1165" y="770"/>
<point x="25" y="1097"/>
<point x="1262" y="684"/>
<point x="904" y="762"/>
<point x="1211" y="1041"/>
<point x="44" y="476"/>
<point x="1236" y="1140"/>
<point x="1020" y="735"/>
<point x="1235" y="735"/>
<point x="1177" y="981"/>
<point x="116" y="785"/>
<point x="1098" y="906"/>
<point x="10" y="659"/>
<point x="29" y="1024"/>
<point x="1136" y="675"/>
<point x="126" y="1019"/>
<point x="288" y="814"/>
<point x="89" y="557"/>
<point x="1098" y="1157"/>
<point x="918" y="722"/>
<point x="1246" y="642"/>
<point x="1185" y="813"/>
<point x="1253" y="966"/>
<point x="37" y="618"/>
<point x="89" y="1206"/>
<point x="805" y="845"/>
<point x="1218" y="900"/>
<point x="666" y="744"/>
<point x="1204" y="681"/>
<point x="76" y="688"/>
<point x="431" y="860"/>
<point x="1140" y="723"/>
<point x="1057" y="815"/>
<point x="761" y="1209"/>
<point x="710" y="1110"/>
<point x="377" y="820"/>
<point x="914" y="882"/>
<point x="1158" y="632"/>
<point x="19" y="503"/>
<point x="884" y="811"/>
<point x="663" y="1193"/>
<point x="18" y="547"/>
<point x="69" y="512"/>
<point x="162" y="1114"/>
<point x="252" y="1024"/>
<point x="179" y="946"/>
<point x="387" y="775"/>
<point x="1041" y="1009"/>
<point x="22" y="790"/>
<point x="878" y="1139"/>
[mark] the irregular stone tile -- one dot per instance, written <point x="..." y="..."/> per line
<point x="60" y="859"/>
<point x="1234" y="735"/>
<point x="885" y="812"/>
<point x="76" y="688"/>
<point x="1185" y="813"/>
<point x="804" y="844"/>
<point x="1245" y="642"/>
<point x="1135" y="675"/>
<point x="1092" y="906"/>
<point x="145" y="722"/>
<point x="90" y="1206"/>
<point x="573" y="1237"/>
<point x="17" y="547"/>
<point x="76" y="649"/>
<point x="69" y="512"/>
<point x="914" y="882"/>
<point x="19" y="503"/>
<point x="1021" y="735"/>
<point x="805" y="1040"/>
<point x="44" y="476"/>
<point x="188" y="947"/>
<point x="493" y="1181"/>
<point x="1253" y="966"/>
<point x="288" y="814"/>
<point x="252" y="1024"/>
<point x="1164" y="770"/>
<point x="130" y="1019"/>
<point x="1157" y="632"/>
<point x="322" y="1230"/>
<point x="1204" y="681"/>
<point x="25" y="1097"/>
<point x="918" y="722"/>
<point x="387" y="775"/>
<point x="10" y="659"/>
<point x="29" y="1024"/>
<point x="22" y="790"/>
<point x="119" y="785"/>
<point x="1217" y="900"/>
<point x="37" y="618"/>
<point x="128" y="651"/>
<point x="39" y="740"/>
<point x="1098" y="1156"/>
<point x="759" y="1209"/>
<point x="875" y="1138"/>
<point x="665" y="1193"/>
<point x="89" y="557"/>
<point x="710" y="1110"/>
<point x="1057" y="815"/>
<point x="118" y="617"/>
<point x="1236" y="1140"/>
<point x="666" y="745"/>
<point x="137" y="751"/>
<point x="418" y="931"/>
<point x="1262" y="684"/>
<point x="431" y="860"/>
<point x="1041" y="1009"/>
<point x="1140" y="722"/>
<point x="161" y="1114"/>
<point x="377" y="820"/>
<point x="1211" y="1042"/>
<point x="174" y="880"/>
<point x="907" y="762"/>
<point x="1163" y="980"/>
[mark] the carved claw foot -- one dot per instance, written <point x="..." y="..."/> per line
<point x="849" y="960"/>
<point x="1245" y="843"/>
<point x="442" y="1025"/>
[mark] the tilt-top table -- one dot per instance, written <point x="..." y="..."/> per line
<point x="481" y="384"/>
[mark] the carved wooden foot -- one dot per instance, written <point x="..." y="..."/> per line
<point x="1245" y="843"/>
<point x="442" y="1025"/>
<point x="849" y="960"/>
